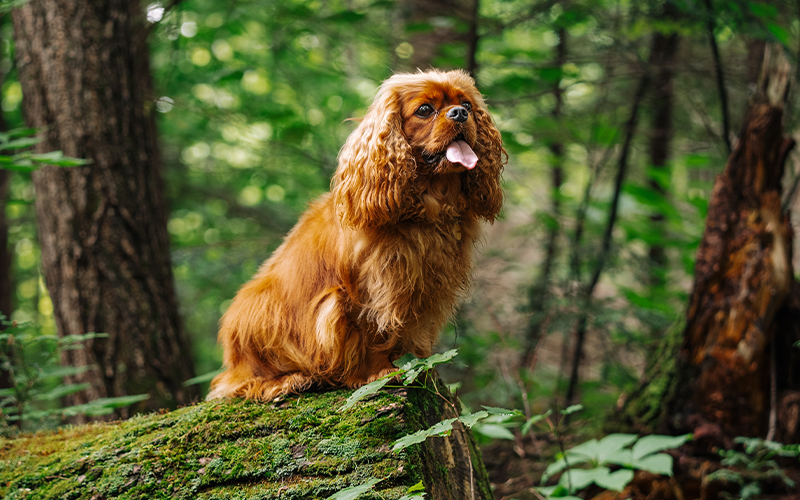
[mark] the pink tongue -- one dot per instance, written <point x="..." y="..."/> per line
<point x="460" y="152"/>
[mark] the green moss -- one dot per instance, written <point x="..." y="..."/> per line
<point x="298" y="448"/>
<point x="647" y="410"/>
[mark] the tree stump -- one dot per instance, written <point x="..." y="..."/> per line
<point x="299" y="447"/>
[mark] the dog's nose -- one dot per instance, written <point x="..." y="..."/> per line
<point x="458" y="113"/>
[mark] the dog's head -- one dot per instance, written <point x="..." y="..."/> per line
<point x="419" y="126"/>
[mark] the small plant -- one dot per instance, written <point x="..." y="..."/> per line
<point x="624" y="450"/>
<point x="754" y="466"/>
<point x="30" y="361"/>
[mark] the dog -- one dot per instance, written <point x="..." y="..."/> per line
<point x="373" y="269"/>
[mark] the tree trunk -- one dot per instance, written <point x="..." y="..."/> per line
<point x="716" y="370"/>
<point x="662" y="58"/>
<point x="85" y="76"/>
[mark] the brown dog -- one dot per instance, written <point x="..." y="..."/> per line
<point x="372" y="270"/>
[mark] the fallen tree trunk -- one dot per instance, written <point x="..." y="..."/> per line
<point x="297" y="448"/>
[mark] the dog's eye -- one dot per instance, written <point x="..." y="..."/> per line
<point x="466" y="106"/>
<point x="425" y="111"/>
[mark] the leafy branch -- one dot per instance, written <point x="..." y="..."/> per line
<point x="27" y="161"/>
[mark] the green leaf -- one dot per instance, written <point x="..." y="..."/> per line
<point x="534" y="420"/>
<point x="416" y="491"/>
<point x="412" y="496"/>
<point x="577" y="479"/>
<point x="102" y="406"/>
<point x="69" y="339"/>
<point x="206" y="377"/>
<point x="494" y="431"/>
<point x="412" y="374"/>
<point x="65" y="371"/>
<point x="561" y="464"/>
<point x="589" y="449"/>
<point x="470" y="419"/>
<point x="571" y="409"/>
<point x="60" y="391"/>
<point x="121" y="401"/>
<point x="556" y="491"/>
<point x="24" y="142"/>
<point x="354" y="492"/>
<point x="621" y="457"/>
<point x="438" y="359"/>
<point x="779" y="32"/>
<point x="365" y="391"/>
<point x="21" y="132"/>
<point x="502" y="411"/>
<point x="660" y="463"/>
<point x="417" y="487"/>
<point x="611" y="444"/>
<point x="443" y="428"/>
<point x="616" y="481"/>
<point x="416" y="366"/>
<point x="654" y="443"/>
<point x="58" y="159"/>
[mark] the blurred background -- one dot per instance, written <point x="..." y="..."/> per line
<point x="616" y="115"/>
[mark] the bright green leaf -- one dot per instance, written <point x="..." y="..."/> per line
<point x="363" y="392"/>
<point x="654" y="443"/>
<point x="616" y="481"/>
<point x="660" y="463"/>
<point x="443" y="428"/>
<point x="494" y="431"/>
<point x="355" y="491"/>
<point x="471" y="419"/>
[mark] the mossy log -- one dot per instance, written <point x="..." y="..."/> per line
<point x="299" y="447"/>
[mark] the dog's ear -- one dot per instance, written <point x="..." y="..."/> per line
<point x="372" y="185"/>
<point x="482" y="184"/>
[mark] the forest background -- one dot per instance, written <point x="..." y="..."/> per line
<point x="617" y="116"/>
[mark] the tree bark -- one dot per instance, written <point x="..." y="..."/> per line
<point x="662" y="58"/>
<point x="85" y="75"/>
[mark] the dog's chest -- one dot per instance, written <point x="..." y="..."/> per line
<point x="417" y="258"/>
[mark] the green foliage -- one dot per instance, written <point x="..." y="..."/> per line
<point x="754" y="465"/>
<point x="409" y="373"/>
<point x="28" y="162"/>
<point x="614" y="450"/>
<point x="30" y="361"/>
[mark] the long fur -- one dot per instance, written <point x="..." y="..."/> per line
<point x="373" y="269"/>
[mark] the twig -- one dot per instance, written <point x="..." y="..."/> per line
<point x="630" y="129"/>
<point x="723" y="95"/>
<point x="472" y="39"/>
